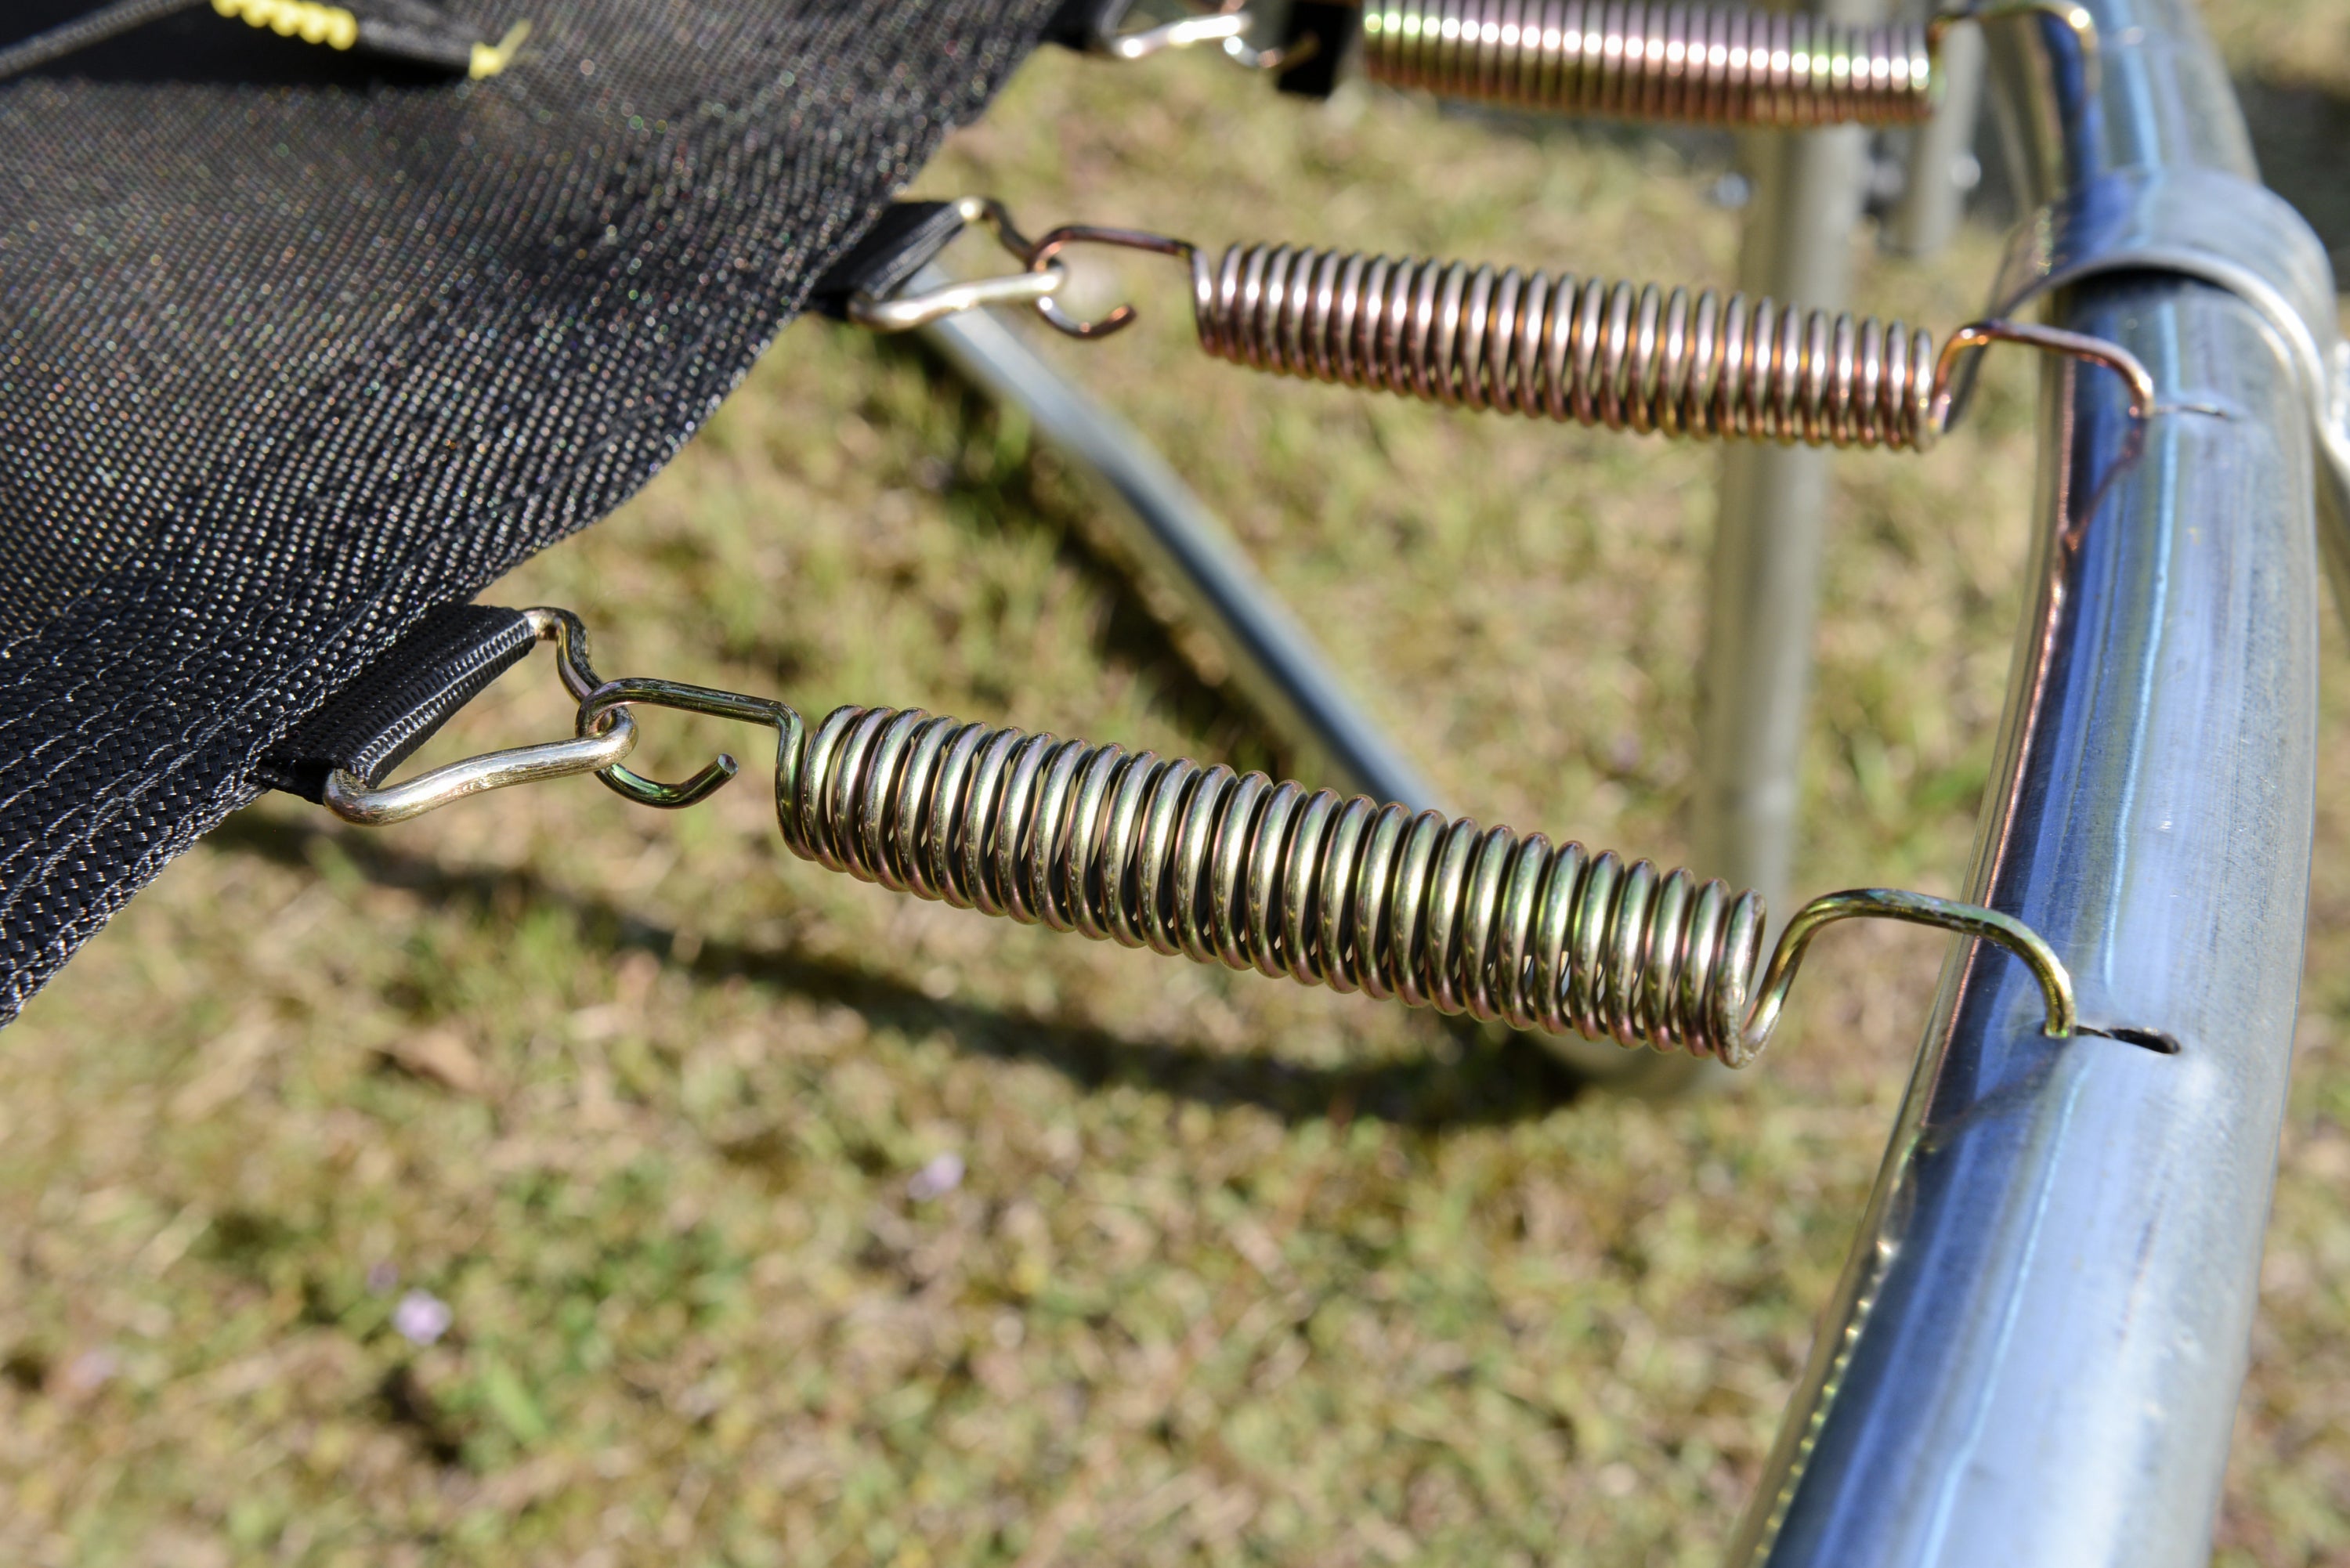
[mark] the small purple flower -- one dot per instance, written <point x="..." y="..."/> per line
<point x="421" y="1317"/>
<point x="381" y="1277"/>
<point x="90" y="1371"/>
<point x="936" y="1179"/>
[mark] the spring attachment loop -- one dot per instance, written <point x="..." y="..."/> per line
<point x="1623" y="356"/>
<point x="1239" y="870"/>
<point x="1224" y="25"/>
<point x="1697" y="64"/>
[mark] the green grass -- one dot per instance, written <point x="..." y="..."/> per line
<point x="1237" y="1272"/>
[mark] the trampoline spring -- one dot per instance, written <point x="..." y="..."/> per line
<point x="1690" y="64"/>
<point x="1708" y="65"/>
<point x="1623" y="356"/>
<point x="1239" y="870"/>
<point x="1725" y="65"/>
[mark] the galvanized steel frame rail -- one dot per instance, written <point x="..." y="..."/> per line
<point x="2037" y="1349"/>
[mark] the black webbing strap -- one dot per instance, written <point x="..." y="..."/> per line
<point x="906" y="238"/>
<point x="399" y="701"/>
<point x="1081" y="24"/>
<point x="413" y="30"/>
<point x="1332" y="26"/>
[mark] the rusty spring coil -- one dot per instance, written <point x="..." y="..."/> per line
<point x="1625" y="356"/>
<point x="1712" y="65"/>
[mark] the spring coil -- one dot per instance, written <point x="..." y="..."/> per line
<point x="1623" y="356"/>
<point x="1715" y="65"/>
<point x="1236" y="869"/>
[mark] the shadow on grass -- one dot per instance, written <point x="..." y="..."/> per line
<point x="1489" y="1079"/>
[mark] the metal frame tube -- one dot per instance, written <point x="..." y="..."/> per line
<point x="1933" y="202"/>
<point x="1770" y="533"/>
<point x="1173" y="534"/>
<point x="2037" y="1349"/>
<point x="1770" y="537"/>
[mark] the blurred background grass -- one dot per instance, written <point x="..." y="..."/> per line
<point x="548" y="1180"/>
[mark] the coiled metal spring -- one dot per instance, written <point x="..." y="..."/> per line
<point x="1625" y="356"/>
<point x="1708" y="65"/>
<point x="1712" y="65"/>
<point x="1231" y="868"/>
<point x="1236" y="869"/>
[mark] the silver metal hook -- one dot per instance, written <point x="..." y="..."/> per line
<point x="1226" y="27"/>
<point x="1033" y="285"/>
<point x="1222" y="27"/>
<point x="1050" y="247"/>
<point x="592" y="750"/>
<point x="2075" y="17"/>
<point x="1976" y="336"/>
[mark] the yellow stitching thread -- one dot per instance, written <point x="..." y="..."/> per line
<point x="312" y="23"/>
<point x="490" y="59"/>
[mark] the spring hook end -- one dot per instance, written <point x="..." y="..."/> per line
<point x="615" y="696"/>
<point x="1949" y="394"/>
<point x="629" y="785"/>
<point x="1117" y="320"/>
<point x="2063" y="1017"/>
<point x="594" y="748"/>
<point x="1043" y="253"/>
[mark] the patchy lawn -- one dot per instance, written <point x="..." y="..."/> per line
<point x="552" y="1180"/>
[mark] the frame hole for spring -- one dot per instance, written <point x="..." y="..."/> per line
<point x="2153" y="1040"/>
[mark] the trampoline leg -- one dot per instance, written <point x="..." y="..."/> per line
<point x="1755" y="684"/>
<point x="1756" y="679"/>
<point x="1933" y="202"/>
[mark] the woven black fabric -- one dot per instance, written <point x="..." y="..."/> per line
<point x="284" y="365"/>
